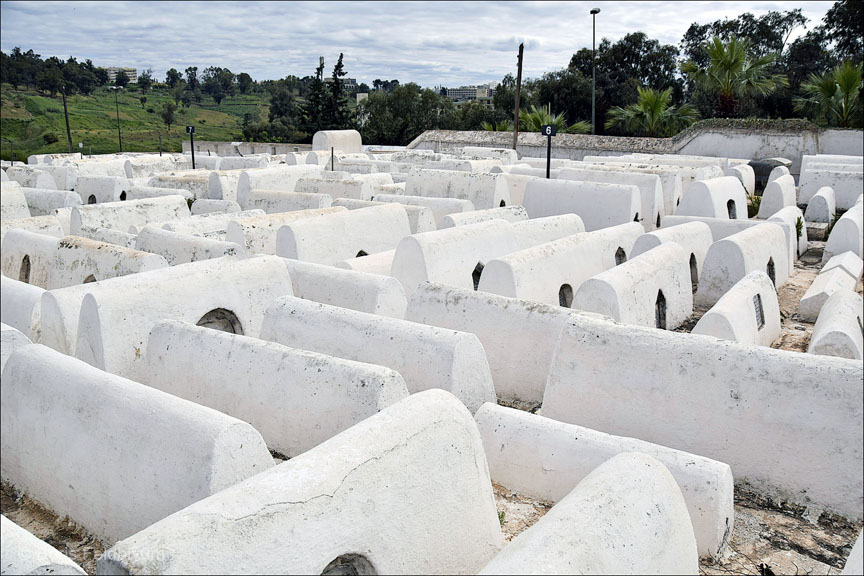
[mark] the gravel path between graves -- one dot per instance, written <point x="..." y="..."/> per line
<point x="61" y="533"/>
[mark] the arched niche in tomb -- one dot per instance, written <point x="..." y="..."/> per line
<point x="223" y="320"/>
<point x="620" y="256"/>
<point x="694" y="273"/>
<point x="349" y="565"/>
<point x="24" y="271"/>
<point x="478" y="271"/>
<point x="771" y="272"/>
<point x="730" y="208"/>
<point x="565" y="296"/>
<point x="660" y="311"/>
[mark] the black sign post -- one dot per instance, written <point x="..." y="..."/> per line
<point x="548" y="130"/>
<point x="191" y="131"/>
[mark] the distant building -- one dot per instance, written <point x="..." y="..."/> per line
<point x="362" y="96"/>
<point x="350" y="84"/>
<point x="464" y="93"/>
<point x="131" y="73"/>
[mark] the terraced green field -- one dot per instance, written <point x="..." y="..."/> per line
<point x="30" y="121"/>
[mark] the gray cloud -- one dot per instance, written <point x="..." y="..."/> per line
<point x="430" y="43"/>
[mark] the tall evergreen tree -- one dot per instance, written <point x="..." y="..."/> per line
<point x="316" y="101"/>
<point x="338" y="115"/>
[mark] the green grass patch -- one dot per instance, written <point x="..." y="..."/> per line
<point x="26" y="117"/>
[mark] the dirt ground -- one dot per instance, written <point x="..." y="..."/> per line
<point x="61" y="533"/>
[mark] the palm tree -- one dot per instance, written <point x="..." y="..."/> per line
<point x="652" y="115"/>
<point x="835" y="97"/>
<point x="500" y="126"/>
<point x="733" y="74"/>
<point x="533" y="120"/>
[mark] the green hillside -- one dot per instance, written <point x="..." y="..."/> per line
<point x="30" y="121"/>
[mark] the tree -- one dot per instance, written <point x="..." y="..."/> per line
<point x="50" y="78"/>
<point x="767" y="34"/>
<point x="167" y="113"/>
<point x="282" y="104"/>
<point x="143" y="100"/>
<point x="652" y="115"/>
<point x="834" y="98"/>
<point x="532" y="120"/>
<point x="732" y="73"/>
<point x="398" y="117"/>
<point x="172" y="77"/>
<point x="145" y="80"/>
<point x="244" y="82"/>
<point x="808" y="54"/>
<point x="24" y="67"/>
<point x="192" y="78"/>
<point x="844" y="26"/>
<point x="621" y="68"/>
<point x="178" y="91"/>
<point x="212" y="85"/>
<point x="314" y="109"/>
<point x="121" y="79"/>
<point x="566" y="90"/>
<point x="500" y="126"/>
<point x="101" y="76"/>
<point x="337" y="116"/>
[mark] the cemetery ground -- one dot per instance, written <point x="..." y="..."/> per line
<point x="771" y="534"/>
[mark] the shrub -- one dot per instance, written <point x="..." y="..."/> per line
<point x="49" y="138"/>
<point x="753" y="206"/>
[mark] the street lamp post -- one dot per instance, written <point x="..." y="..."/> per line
<point x="594" y="12"/>
<point x="117" y="106"/>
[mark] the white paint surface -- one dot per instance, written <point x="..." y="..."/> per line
<point x="257" y="234"/>
<point x="425" y="356"/>
<point x="736" y="316"/>
<point x="821" y="207"/>
<point x="541" y="272"/>
<point x="20" y="307"/>
<point x="331" y="238"/>
<point x="789" y="423"/>
<point x="116" y="315"/>
<point x="600" y="205"/>
<point x="632" y="291"/>
<point x="187" y="453"/>
<point x="499" y="323"/>
<point x="730" y="259"/>
<point x="546" y="459"/>
<point x="838" y="330"/>
<point x="412" y="480"/>
<point x="296" y="399"/>
<point x="128" y="216"/>
<point x="626" y="517"/>
<point x="723" y="197"/>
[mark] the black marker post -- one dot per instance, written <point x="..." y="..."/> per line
<point x="548" y="130"/>
<point x="191" y="131"/>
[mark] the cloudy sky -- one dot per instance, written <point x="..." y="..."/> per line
<point x="431" y="43"/>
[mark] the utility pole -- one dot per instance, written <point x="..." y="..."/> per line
<point x="66" y="113"/>
<point x="593" y="68"/>
<point x="518" y="91"/>
<point x="119" y="137"/>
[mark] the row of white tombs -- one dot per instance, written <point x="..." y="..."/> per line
<point x="371" y="318"/>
